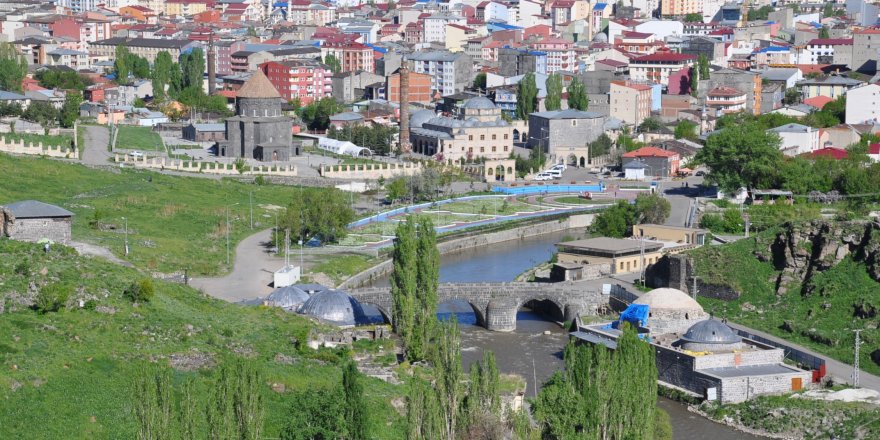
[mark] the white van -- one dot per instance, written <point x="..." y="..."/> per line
<point x="559" y="166"/>
<point x="543" y="176"/>
<point x="555" y="173"/>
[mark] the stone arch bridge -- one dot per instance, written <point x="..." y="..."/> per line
<point x="496" y="304"/>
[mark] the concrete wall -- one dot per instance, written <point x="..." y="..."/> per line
<point x="162" y="163"/>
<point x="370" y="171"/>
<point x="746" y="358"/>
<point x="740" y="389"/>
<point x="36" y="149"/>
<point x="464" y="243"/>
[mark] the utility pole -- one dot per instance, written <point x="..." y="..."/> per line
<point x="227" y="235"/>
<point x="251" y="205"/>
<point x="126" y="235"/>
<point x="642" y="256"/>
<point x="856" y="359"/>
<point x="695" y="287"/>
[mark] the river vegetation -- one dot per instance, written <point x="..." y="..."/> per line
<point x="414" y="283"/>
<point x="617" y="221"/>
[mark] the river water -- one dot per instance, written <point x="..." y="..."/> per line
<point x="534" y="349"/>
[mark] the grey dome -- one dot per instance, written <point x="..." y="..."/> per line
<point x="420" y="117"/>
<point x="334" y="306"/>
<point x="287" y="297"/>
<point x="479" y="103"/>
<point x="711" y="331"/>
<point x="600" y="38"/>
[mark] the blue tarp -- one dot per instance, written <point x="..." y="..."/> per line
<point x="635" y="314"/>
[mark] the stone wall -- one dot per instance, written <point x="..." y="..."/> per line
<point x="746" y="358"/>
<point x="740" y="389"/>
<point x="370" y="171"/>
<point x="192" y="166"/>
<point x="677" y="369"/>
<point x="677" y="272"/>
<point x="34" y="229"/>
<point x="595" y="271"/>
<point x="38" y="149"/>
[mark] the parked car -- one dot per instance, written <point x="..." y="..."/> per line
<point x="559" y="166"/>
<point x="555" y="173"/>
<point x="136" y="154"/>
<point x="543" y="176"/>
<point x="700" y="173"/>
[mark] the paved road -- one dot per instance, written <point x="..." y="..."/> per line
<point x="841" y="372"/>
<point x="251" y="275"/>
<point x="95" y="139"/>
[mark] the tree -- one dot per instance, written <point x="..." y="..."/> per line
<point x="792" y="96"/>
<point x="396" y="190"/>
<point x="317" y="213"/>
<point x="615" y="221"/>
<point x="448" y="369"/>
<point x="42" y="113"/>
<point x="554" y="92"/>
<point x="742" y="155"/>
<point x="823" y="33"/>
<point x="526" y="97"/>
<point x="153" y="404"/>
<point x="13" y="68"/>
<point x="686" y="130"/>
<point x="317" y="114"/>
<point x="414" y="278"/>
<point x="601" y="146"/>
<point x="703" y="66"/>
<point x="650" y="125"/>
<point x="355" y="406"/>
<point x="162" y="74"/>
<point x="693" y="18"/>
<point x="427" y="276"/>
<point x="192" y="68"/>
<point x="480" y="81"/>
<point x="695" y="81"/>
<point x="120" y="65"/>
<point x="577" y="95"/>
<point x="404" y="281"/>
<point x="70" y="110"/>
<point x="651" y="208"/>
<point x="333" y="63"/>
<point x="62" y="79"/>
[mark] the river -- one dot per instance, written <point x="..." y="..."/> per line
<point x="529" y="351"/>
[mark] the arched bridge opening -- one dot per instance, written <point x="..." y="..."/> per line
<point x="465" y="312"/>
<point x="541" y="308"/>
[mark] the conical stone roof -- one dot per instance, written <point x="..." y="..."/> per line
<point x="258" y="87"/>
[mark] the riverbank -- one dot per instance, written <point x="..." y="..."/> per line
<point x="477" y="239"/>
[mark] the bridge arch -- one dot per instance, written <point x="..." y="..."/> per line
<point x="479" y="311"/>
<point x="382" y="309"/>
<point x="547" y="306"/>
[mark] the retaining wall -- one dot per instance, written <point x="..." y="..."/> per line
<point x="192" y="166"/>
<point x="371" y="171"/>
<point x="463" y="243"/>
<point x="38" y="149"/>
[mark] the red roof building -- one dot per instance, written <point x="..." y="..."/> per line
<point x="833" y="153"/>
<point x="818" y="101"/>
<point x="659" y="162"/>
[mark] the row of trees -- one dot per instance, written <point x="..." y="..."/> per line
<point x="63" y="79"/>
<point x="45" y="113"/>
<point x="617" y="221"/>
<point x="317" y="114"/>
<point x="318" y="213"/>
<point x="316" y="413"/>
<point x="527" y="95"/>
<point x="602" y="393"/>
<point x="234" y="411"/>
<point x="424" y="186"/>
<point x="13" y="68"/>
<point x="376" y="137"/>
<point x="414" y="284"/>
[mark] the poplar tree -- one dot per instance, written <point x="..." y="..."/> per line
<point x="526" y="97"/>
<point x="448" y="375"/>
<point x="355" y="413"/>
<point x="120" y="65"/>
<point x="577" y="95"/>
<point x="404" y="282"/>
<point x="162" y="73"/>
<point x="554" y="92"/>
<point x="427" y="276"/>
<point x="153" y="404"/>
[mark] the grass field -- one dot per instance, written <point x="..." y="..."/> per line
<point x="574" y="200"/>
<point x="340" y="267"/>
<point x="68" y="374"/>
<point x="818" y="317"/>
<point x="138" y="138"/>
<point x="490" y="206"/>
<point x="174" y="222"/>
<point x="54" y="140"/>
<point x="388" y="228"/>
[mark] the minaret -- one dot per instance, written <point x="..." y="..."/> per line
<point x="212" y="68"/>
<point x="404" y="107"/>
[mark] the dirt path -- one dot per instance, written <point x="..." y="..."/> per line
<point x="252" y="272"/>
<point x="95" y="140"/>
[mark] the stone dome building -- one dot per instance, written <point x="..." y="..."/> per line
<point x="259" y="130"/>
<point x="671" y="310"/>
<point x="335" y="307"/>
<point x="289" y="298"/>
<point x="711" y="335"/>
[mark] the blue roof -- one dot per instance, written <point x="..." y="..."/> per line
<point x="774" y="49"/>
<point x="501" y="26"/>
<point x="600" y="6"/>
<point x="377" y="48"/>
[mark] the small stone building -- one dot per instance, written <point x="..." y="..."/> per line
<point x="205" y="132"/>
<point x="30" y="220"/>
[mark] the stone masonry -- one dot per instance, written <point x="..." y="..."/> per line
<point x="496" y="304"/>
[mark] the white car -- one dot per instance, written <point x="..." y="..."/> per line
<point x="543" y="176"/>
<point x="136" y="154"/>
<point x="559" y="166"/>
<point x="555" y="173"/>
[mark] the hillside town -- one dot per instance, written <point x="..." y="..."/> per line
<point x="425" y="219"/>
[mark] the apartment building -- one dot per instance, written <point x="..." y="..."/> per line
<point x="305" y="80"/>
<point x="450" y="72"/>
<point x="630" y="102"/>
<point x="659" y="67"/>
<point x="147" y="48"/>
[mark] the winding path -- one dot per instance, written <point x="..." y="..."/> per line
<point x="252" y="272"/>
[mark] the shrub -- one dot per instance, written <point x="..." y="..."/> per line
<point x="52" y="297"/>
<point x="141" y="291"/>
<point x="23" y="268"/>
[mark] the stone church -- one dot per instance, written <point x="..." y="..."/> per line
<point x="258" y="130"/>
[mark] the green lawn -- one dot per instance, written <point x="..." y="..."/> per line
<point x="340" y="267"/>
<point x="491" y="206"/>
<point x="54" y="140"/>
<point x="388" y="228"/>
<point x="573" y="200"/>
<point x="174" y="222"/>
<point x="822" y="320"/>
<point x="131" y="137"/>
<point x="69" y="374"/>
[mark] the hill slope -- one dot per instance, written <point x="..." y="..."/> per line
<point x="68" y="374"/>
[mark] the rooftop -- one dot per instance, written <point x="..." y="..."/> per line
<point x="668" y="299"/>
<point x="615" y="245"/>
<point x="36" y="209"/>
<point x="258" y="86"/>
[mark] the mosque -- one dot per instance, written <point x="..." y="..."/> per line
<point x="698" y="354"/>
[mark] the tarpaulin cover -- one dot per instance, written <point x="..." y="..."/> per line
<point x="635" y="314"/>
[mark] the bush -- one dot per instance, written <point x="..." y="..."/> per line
<point x="23" y="268"/>
<point x="52" y="298"/>
<point x="141" y="291"/>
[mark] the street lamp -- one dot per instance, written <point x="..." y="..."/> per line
<point x="126" y="235"/>
<point x="227" y="232"/>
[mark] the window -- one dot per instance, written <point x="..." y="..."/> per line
<point x="493" y="137"/>
<point x="494" y="148"/>
<point x="482" y="137"/>
<point x="482" y="149"/>
<point x="505" y="138"/>
<point x="574" y="123"/>
<point x="470" y="137"/>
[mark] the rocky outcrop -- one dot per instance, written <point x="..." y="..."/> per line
<point x="677" y="272"/>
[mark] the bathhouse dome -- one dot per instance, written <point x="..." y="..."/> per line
<point x="334" y="306"/>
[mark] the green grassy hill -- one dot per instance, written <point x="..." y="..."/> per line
<point x="822" y="319"/>
<point x="68" y="374"/>
<point x="174" y="223"/>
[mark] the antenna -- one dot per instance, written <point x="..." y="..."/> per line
<point x="287" y="247"/>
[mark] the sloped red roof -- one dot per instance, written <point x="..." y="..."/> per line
<point x="874" y="149"/>
<point x="650" y="152"/>
<point x="831" y="42"/>
<point x="834" y="153"/>
<point x="725" y="91"/>
<point x="660" y="57"/>
<point x="818" y="101"/>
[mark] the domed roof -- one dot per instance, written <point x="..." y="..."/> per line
<point x="420" y="117"/>
<point x="334" y="306"/>
<point x="711" y="331"/>
<point x="668" y="299"/>
<point x="600" y="38"/>
<point x="479" y="103"/>
<point x="287" y="297"/>
<point x="258" y="86"/>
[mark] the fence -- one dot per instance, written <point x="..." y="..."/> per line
<point x="370" y="170"/>
<point x="38" y="149"/>
<point x="193" y="166"/>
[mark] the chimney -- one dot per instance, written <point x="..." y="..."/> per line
<point x="404" y="107"/>
<point x="212" y="75"/>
